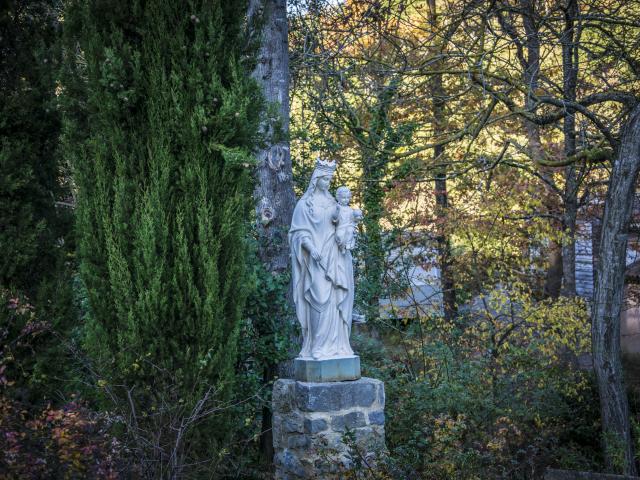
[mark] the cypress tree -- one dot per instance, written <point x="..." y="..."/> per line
<point x="161" y="115"/>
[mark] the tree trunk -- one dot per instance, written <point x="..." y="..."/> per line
<point x="569" y="218"/>
<point x="443" y="242"/>
<point x="450" y="307"/>
<point x="531" y="74"/>
<point x="531" y="66"/>
<point x="273" y="194"/>
<point x="570" y="79"/>
<point x="553" y="280"/>
<point x="608" y="297"/>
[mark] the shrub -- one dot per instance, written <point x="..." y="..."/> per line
<point x="497" y="395"/>
<point x="37" y="438"/>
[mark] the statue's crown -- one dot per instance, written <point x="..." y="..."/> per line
<point x="328" y="166"/>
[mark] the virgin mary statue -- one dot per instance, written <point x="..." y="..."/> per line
<point x="322" y="274"/>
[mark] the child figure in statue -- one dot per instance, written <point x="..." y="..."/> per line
<point x="346" y="220"/>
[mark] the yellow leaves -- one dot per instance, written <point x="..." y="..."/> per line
<point x="511" y="328"/>
<point x="538" y="421"/>
<point x="505" y="433"/>
<point x="496" y="445"/>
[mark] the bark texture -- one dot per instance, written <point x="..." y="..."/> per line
<point x="440" y="182"/>
<point x="274" y="194"/>
<point x="553" y="280"/>
<point x="614" y="406"/>
<point x="570" y="79"/>
<point x="531" y="76"/>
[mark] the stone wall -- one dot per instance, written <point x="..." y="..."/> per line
<point x="319" y="428"/>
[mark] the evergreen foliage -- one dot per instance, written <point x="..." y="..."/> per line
<point x="35" y="234"/>
<point x="161" y="117"/>
<point x="29" y="127"/>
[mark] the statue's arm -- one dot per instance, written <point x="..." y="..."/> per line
<point x="308" y="246"/>
<point x="336" y="214"/>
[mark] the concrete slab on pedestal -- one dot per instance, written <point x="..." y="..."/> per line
<point x="330" y="370"/>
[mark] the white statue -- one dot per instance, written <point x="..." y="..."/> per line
<point x="323" y="284"/>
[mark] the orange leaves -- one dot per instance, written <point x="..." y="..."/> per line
<point x="64" y="442"/>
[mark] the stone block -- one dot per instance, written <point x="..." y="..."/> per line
<point x="276" y="432"/>
<point x="282" y="397"/>
<point x="330" y="370"/>
<point x="293" y="423"/>
<point x="288" y="462"/>
<point x="315" y="425"/>
<point x="376" y="418"/>
<point x="332" y="441"/>
<point x="331" y="396"/>
<point x="298" y="441"/>
<point x="352" y="420"/>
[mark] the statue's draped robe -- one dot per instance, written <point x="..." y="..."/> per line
<point x="322" y="291"/>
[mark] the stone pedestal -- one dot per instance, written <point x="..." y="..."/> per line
<point x="319" y="428"/>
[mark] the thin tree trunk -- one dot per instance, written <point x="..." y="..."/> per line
<point x="608" y="297"/>
<point x="569" y="218"/>
<point x="570" y="79"/>
<point x="443" y="242"/>
<point x="273" y="195"/>
<point x="531" y="66"/>
<point x="553" y="280"/>
<point x="442" y="206"/>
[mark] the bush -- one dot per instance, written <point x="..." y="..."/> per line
<point x="498" y="395"/>
<point x="37" y="438"/>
